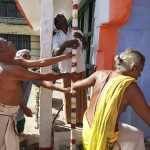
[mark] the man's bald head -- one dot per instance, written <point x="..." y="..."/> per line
<point x="5" y="44"/>
<point x="2" y="39"/>
<point x="7" y="51"/>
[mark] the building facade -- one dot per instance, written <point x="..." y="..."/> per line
<point x="14" y="27"/>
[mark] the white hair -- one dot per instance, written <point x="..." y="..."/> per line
<point x="129" y="59"/>
<point x="23" y="51"/>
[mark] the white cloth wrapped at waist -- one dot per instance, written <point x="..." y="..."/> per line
<point x="8" y="110"/>
<point x="8" y="137"/>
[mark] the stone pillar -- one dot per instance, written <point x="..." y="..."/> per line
<point x="46" y="95"/>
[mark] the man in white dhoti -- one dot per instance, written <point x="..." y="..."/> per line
<point x="12" y="72"/>
<point x="8" y="136"/>
<point x="130" y="138"/>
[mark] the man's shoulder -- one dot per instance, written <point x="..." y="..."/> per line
<point x="97" y="74"/>
<point x="5" y="66"/>
<point x="18" y="61"/>
<point x="57" y="36"/>
<point x="133" y="86"/>
<point x="12" y="69"/>
<point x="58" y="32"/>
<point x="103" y="72"/>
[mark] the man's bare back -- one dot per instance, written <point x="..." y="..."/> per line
<point x="103" y="79"/>
<point x="101" y="136"/>
<point x="98" y="79"/>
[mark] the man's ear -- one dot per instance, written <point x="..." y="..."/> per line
<point x="132" y="66"/>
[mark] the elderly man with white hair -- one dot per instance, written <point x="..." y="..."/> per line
<point x="24" y="53"/>
<point x="113" y="91"/>
<point x="26" y="89"/>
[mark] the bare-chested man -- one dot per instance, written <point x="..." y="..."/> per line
<point x="113" y="91"/>
<point x="12" y="72"/>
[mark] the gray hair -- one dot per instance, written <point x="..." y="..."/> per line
<point x="129" y="59"/>
<point x="23" y="51"/>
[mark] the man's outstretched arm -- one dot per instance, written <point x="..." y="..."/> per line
<point x="51" y="86"/>
<point x="85" y="83"/>
<point x="14" y="72"/>
<point x="41" y="62"/>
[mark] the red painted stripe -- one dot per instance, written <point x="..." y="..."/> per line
<point x="73" y="95"/>
<point x="74" y="64"/>
<point x="73" y="110"/>
<point x="74" y="28"/>
<point x="73" y="80"/>
<point x="75" y="6"/>
<point x="73" y="126"/>
<point x="73" y="141"/>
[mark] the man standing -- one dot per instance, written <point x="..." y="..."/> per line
<point x="113" y="91"/>
<point x="26" y="89"/>
<point x="62" y="44"/>
<point x="12" y="72"/>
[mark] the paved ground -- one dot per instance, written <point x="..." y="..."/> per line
<point x="32" y="134"/>
<point x="56" y="103"/>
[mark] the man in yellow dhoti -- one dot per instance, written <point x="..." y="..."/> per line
<point x="113" y="91"/>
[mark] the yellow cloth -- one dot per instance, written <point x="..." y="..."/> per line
<point x="86" y="134"/>
<point x="99" y="136"/>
